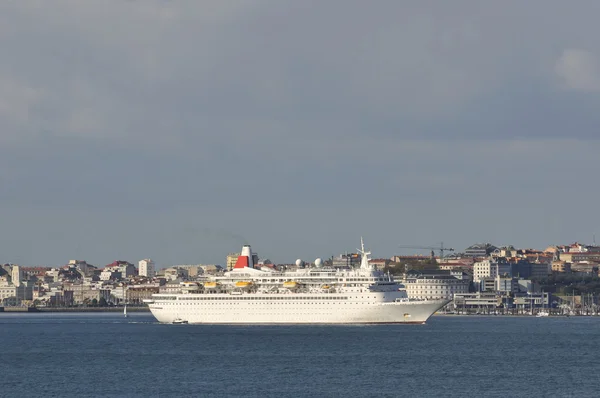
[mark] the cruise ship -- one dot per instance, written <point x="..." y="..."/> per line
<point x="249" y="294"/>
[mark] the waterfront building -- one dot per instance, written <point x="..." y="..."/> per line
<point x="486" y="284"/>
<point x="529" y="301"/>
<point x="526" y="285"/>
<point x="56" y="298"/>
<point x="171" y="287"/>
<point x="492" y="302"/>
<point x="147" y="268"/>
<point x="11" y="294"/>
<point x="7" y="291"/>
<point x="118" y="294"/>
<point x="84" y="293"/>
<point x="435" y="284"/>
<point x="481" y="301"/>
<point x="136" y="294"/>
<point x="506" y="285"/>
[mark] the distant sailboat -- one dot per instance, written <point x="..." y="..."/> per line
<point x="125" y="311"/>
<point x="543" y="312"/>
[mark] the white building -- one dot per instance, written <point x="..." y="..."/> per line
<point x="81" y="265"/>
<point x="174" y="273"/>
<point x="490" y="269"/>
<point x="110" y="274"/>
<point x="435" y="286"/>
<point x="16" y="275"/>
<point x="146" y="268"/>
<point x="8" y="290"/>
<point x="53" y="274"/>
<point x="192" y="270"/>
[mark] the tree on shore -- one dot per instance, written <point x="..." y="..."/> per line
<point x="573" y="283"/>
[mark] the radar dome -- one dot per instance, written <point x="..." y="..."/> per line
<point x="299" y="263"/>
<point x="318" y="262"/>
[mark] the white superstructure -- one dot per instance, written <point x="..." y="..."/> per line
<point x="307" y="295"/>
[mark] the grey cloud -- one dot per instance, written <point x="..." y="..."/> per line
<point x="133" y="70"/>
<point x="294" y="122"/>
<point x="579" y="70"/>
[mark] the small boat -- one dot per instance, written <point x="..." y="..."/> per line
<point x="125" y="311"/>
<point x="179" y="321"/>
<point x="542" y="314"/>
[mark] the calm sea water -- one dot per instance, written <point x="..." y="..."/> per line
<point x="86" y="355"/>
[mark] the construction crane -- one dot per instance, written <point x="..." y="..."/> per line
<point x="439" y="248"/>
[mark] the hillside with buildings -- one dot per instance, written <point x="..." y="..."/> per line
<point x="482" y="278"/>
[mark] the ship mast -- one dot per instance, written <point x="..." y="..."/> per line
<point x="364" y="261"/>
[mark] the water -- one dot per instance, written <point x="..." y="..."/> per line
<point x="86" y="355"/>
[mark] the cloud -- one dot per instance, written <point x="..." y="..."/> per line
<point x="579" y="70"/>
<point x="164" y="75"/>
<point x="18" y="100"/>
<point x="443" y="118"/>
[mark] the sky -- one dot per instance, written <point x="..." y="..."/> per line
<point x="180" y="130"/>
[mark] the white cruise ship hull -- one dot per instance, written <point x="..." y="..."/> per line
<point x="281" y="310"/>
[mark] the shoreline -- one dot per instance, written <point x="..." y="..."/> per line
<point x="517" y="315"/>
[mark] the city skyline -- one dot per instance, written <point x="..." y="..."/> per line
<point x="181" y="130"/>
<point x="403" y="251"/>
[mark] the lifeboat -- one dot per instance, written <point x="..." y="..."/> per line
<point x="211" y="285"/>
<point x="325" y="287"/>
<point x="290" y="284"/>
<point x="243" y="284"/>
